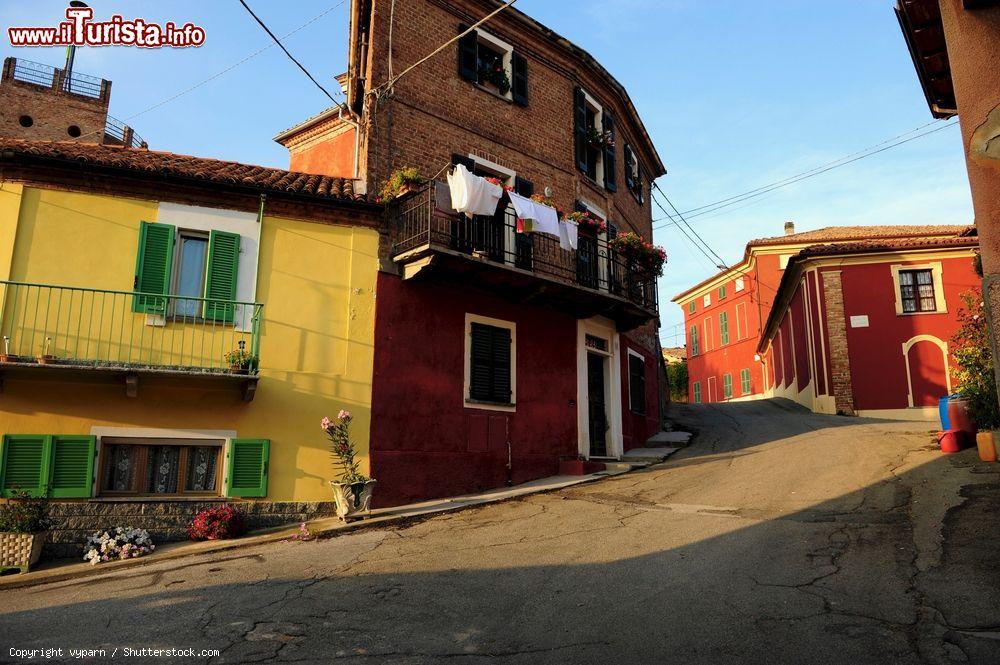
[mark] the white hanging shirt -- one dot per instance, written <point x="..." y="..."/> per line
<point x="568" y="234"/>
<point x="538" y="217"/>
<point x="472" y="194"/>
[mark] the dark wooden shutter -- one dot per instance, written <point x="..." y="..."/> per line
<point x="248" y="466"/>
<point x="629" y="168"/>
<point x="24" y="465"/>
<point x="580" y="128"/>
<point x="523" y="187"/>
<point x="610" y="155"/>
<point x="637" y="383"/>
<point x="467" y="162"/>
<point x="72" y="466"/>
<point x="152" y="267"/>
<point x="501" y="365"/>
<point x="519" y="86"/>
<point x="468" y="55"/>
<point x="489" y="366"/>
<point x="220" y="275"/>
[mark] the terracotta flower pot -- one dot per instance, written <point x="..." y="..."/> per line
<point x="47" y="359"/>
<point x="986" y="443"/>
<point x="20" y="550"/>
<point x="352" y="499"/>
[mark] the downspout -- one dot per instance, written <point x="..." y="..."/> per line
<point x="357" y="137"/>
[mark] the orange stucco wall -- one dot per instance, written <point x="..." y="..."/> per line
<point x="332" y="156"/>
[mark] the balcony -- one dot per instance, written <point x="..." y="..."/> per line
<point x="487" y="252"/>
<point x="93" y="335"/>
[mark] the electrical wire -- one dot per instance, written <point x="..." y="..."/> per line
<point x="287" y="52"/>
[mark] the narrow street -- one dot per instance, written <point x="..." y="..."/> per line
<point x="779" y="536"/>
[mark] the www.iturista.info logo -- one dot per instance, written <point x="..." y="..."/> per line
<point x="80" y="30"/>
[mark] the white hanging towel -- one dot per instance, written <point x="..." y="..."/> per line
<point x="538" y="217"/>
<point x="568" y="234"/>
<point x="472" y="194"/>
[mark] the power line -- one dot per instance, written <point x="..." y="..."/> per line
<point x="722" y="263"/>
<point x="290" y="56"/>
<point x="819" y="170"/>
<point x="699" y="247"/>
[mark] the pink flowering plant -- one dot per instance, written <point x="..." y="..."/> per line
<point x="588" y="222"/>
<point x="643" y="254"/>
<point x="117" y="545"/>
<point x="218" y="523"/>
<point x="345" y="457"/>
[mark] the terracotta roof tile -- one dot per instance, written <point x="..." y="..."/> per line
<point x="184" y="167"/>
<point x="834" y="233"/>
<point x="888" y="244"/>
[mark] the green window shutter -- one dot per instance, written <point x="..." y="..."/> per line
<point x="727" y="385"/>
<point x="220" y="275"/>
<point x="72" y="464"/>
<point x="247" y="470"/>
<point x="692" y="307"/>
<point x="697" y="392"/>
<point x="24" y="465"/>
<point x="519" y="85"/>
<point x="745" y="381"/>
<point x="694" y="340"/>
<point x="152" y="267"/>
<point x="724" y="327"/>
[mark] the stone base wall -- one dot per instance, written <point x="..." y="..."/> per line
<point x="166" y="521"/>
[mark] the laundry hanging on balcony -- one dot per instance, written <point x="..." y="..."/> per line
<point x="569" y="234"/>
<point x="471" y="194"/>
<point x="534" y="217"/>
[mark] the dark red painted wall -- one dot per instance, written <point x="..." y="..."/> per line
<point x="424" y="442"/>
<point x="638" y="427"/>
<point x="803" y="372"/>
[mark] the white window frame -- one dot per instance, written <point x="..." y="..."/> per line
<point x="598" y="110"/>
<point x="508" y="177"/>
<point x="496" y="323"/>
<point x="940" y="306"/>
<point x="507" y="50"/>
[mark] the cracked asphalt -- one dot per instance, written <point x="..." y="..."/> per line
<point x="778" y="536"/>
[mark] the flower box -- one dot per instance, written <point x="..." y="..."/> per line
<point x="20" y="550"/>
<point x="353" y="499"/>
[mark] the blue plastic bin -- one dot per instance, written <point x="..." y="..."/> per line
<point x="943" y="411"/>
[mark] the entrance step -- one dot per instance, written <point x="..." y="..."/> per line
<point x="650" y="455"/>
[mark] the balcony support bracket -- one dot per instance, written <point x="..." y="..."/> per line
<point x="132" y="385"/>
<point x="249" y="390"/>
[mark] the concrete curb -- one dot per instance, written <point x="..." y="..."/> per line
<point x="321" y="528"/>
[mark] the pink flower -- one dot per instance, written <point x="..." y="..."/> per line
<point x="344" y="416"/>
<point x="326" y="423"/>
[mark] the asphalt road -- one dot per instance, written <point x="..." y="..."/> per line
<point x="779" y="536"/>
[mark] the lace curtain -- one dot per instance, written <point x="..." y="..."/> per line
<point x="201" y="469"/>
<point x="162" y="469"/>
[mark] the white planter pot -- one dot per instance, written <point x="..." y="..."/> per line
<point x="20" y="550"/>
<point x="352" y="500"/>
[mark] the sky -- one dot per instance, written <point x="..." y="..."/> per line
<point x="735" y="94"/>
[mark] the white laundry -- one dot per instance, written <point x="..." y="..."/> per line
<point x="568" y="234"/>
<point x="472" y="194"/>
<point x="538" y="217"/>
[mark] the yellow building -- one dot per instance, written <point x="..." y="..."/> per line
<point x="126" y="279"/>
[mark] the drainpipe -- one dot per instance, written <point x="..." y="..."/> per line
<point x="510" y="455"/>
<point x="357" y="137"/>
<point x="260" y="211"/>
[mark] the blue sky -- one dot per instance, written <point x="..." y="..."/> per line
<point x="735" y="94"/>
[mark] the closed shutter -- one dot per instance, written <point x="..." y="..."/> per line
<point x="467" y="162"/>
<point x="524" y="187"/>
<point x="152" y="268"/>
<point x="580" y="128"/>
<point x="220" y="275"/>
<point x="610" y="156"/>
<point x="694" y="340"/>
<point x="519" y="86"/>
<point x="724" y="327"/>
<point x="248" y="462"/>
<point x="72" y="466"/>
<point x="727" y="385"/>
<point x="468" y="54"/>
<point x="629" y="168"/>
<point x="25" y="464"/>
<point x="637" y="384"/>
<point x="501" y="365"/>
<point x="489" y="364"/>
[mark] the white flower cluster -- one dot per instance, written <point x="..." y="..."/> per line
<point x="120" y="543"/>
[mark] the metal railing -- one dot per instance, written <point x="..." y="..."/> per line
<point x="419" y="220"/>
<point x="121" y="134"/>
<point x="123" y="329"/>
<point x="53" y="77"/>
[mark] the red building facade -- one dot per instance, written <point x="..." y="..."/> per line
<point x="498" y="353"/>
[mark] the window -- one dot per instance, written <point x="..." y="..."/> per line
<point x="490" y="363"/>
<point x="727" y="386"/>
<point x="708" y="341"/>
<point x="594" y="140"/>
<point x="150" y="470"/>
<point x="916" y="291"/>
<point x="189" y="277"/>
<point x="740" y="284"/>
<point x="692" y="307"/>
<point x="697" y="392"/>
<point x="707" y="300"/>
<point x="724" y="327"/>
<point x="635" y="177"/>
<point x="637" y="382"/>
<point x="742" y="327"/>
<point x="722" y="292"/>
<point x="745" y="381"/>
<point x="693" y="340"/>
<point x="491" y="63"/>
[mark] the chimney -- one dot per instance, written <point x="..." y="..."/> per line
<point x="789" y="228"/>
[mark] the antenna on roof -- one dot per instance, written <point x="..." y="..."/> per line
<point x="71" y="51"/>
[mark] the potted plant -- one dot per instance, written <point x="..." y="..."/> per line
<point x="643" y="255"/>
<point x="46" y="358"/>
<point x="24" y="522"/>
<point x="974" y="375"/>
<point x="400" y="183"/>
<point x="599" y="140"/>
<point x="241" y="361"/>
<point x="588" y="222"/>
<point x="218" y="523"/>
<point x="352" y="491"/>
<point x="119" y="543"/>
<point x="492" y="74"/>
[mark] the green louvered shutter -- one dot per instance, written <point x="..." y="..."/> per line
<point x="220" y="275"/>
<point x="152" y="268"/>
<point x="25" y="464"/>
<point x="72" y="467"/>
<point x="248" y="467"/>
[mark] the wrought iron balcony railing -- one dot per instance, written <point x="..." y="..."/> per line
<point x="48" y="76"/>
<point x="96" y="328"/>
<point x="418" y="221"/>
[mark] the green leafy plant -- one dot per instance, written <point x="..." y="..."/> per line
<point x="242" y="358"/>
<point x="24" y="513"/>
<point x="645" y="255"/>
<point x="677" y="374"/>
<point x="345" y="457"/>
<point x="491" y="70"/>
<point x="399" y="179"/>
<point x="588" y="222"/>
<point x="974" y="372"/>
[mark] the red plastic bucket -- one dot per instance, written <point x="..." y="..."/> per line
<point x="952" y="441"/>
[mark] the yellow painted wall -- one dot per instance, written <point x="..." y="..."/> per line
<point x="317" y="284"/>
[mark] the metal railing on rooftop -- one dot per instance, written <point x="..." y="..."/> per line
<point x="123" y="329"/>
<point x="122" y="134"/>
<point x="54" y="77"/>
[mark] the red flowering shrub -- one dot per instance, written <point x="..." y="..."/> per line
<point x="218" y="523"/>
